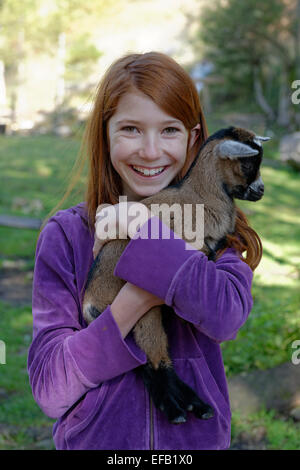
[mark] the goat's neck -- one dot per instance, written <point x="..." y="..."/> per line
<point x="207" y="185"/>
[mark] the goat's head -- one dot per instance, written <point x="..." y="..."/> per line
<point x="239" y="154"/>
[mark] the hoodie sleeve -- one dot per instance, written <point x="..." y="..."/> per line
<point x="66" y="360"/>
<point x="214" y="296"/>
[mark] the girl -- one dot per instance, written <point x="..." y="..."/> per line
<point x="146" y="119"/>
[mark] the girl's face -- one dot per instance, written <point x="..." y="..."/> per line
<point x="147" y="146"/>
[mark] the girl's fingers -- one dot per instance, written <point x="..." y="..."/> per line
<point x="104" y="210"/>
<point x="121" y="220"/>
<point x="98" y="244"/>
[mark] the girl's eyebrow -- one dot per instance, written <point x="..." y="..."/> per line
<point x="132" y="121"/>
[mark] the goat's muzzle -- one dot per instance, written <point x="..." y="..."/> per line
<point x="255" y="191"/>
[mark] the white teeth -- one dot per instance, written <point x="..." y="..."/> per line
<point x="146" y="172"/>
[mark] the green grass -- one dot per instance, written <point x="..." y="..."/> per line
<point x="35" y="167"/>
<point x="32" y="168"/>
<point x="38" y="168"/>
<point x="18" y="410"/>
<point x="277" y="431"/>
<point x="274" y="322"/>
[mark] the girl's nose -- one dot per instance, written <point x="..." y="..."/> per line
<point x="150" y="148"/>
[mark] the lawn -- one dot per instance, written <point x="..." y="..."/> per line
<point x="274" y="323"/>
<point x="37" y="168"/>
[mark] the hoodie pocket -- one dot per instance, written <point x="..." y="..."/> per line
<point x="196" y="434"/>
<point x="196" y="373"/>
<point x="86" y="411"/>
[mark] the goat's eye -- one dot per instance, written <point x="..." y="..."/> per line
<point x="247" y="165"/>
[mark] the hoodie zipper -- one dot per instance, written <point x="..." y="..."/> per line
<point x="151" y="424"/>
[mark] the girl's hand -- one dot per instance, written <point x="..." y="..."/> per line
<point x="130" y="304"/>
<point x="118" y="221"/>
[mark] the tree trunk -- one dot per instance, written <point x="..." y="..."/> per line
<point x="259" y="96"/>
<point x="206" y="99"/>
<point x="17" y="98"/>
<point x="60" y="81"/>
<point x="284" y="102"/>
<point x="297" y="40"/>
<point x="3" y="102"/>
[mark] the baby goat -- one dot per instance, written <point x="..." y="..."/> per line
<point x="226" y="167"/>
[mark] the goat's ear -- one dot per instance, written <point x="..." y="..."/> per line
<point x="258" y="139"/>
<point x="233" y="149"/>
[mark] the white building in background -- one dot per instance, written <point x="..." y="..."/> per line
<point x="200" y="71"/>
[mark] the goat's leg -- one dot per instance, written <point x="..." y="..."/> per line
<point x="102" y="286"/>
<point x="168" y="392"/>
<point x="150" y="336"/>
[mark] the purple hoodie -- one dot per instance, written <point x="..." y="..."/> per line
<point x="84" y="375"/>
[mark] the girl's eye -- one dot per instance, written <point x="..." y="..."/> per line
<point x="129" y="128"/>
<point x="171" y="130"/>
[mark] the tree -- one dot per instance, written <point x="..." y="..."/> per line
<point x="59" y="28"/>
<point x="255" y="47"/>
<point x="16" y="23"/>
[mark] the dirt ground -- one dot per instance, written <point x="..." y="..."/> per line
<point x="16" y="286"/>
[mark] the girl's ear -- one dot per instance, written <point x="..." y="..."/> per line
<point x="194" y="135"/>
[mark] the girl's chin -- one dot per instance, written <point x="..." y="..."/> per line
<point x="137" y="194"/>
<point x="145" y="192"/>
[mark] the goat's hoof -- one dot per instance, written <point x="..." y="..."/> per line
<point x="179" y="420"/>
<point x="171" y="408"/>
<point x="208" y="414"/>
<point x="172" y="396"/>
<point x="189" y="398"/>
<point x="193" y="403"/>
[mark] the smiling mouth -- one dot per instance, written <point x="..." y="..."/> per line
<point x="148" y="172"/>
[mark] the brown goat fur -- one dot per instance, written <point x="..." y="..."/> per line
<point x="212" y="180"/>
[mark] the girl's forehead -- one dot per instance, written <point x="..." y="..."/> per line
<point x="135" y="105"/>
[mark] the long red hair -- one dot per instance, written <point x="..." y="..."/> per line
<point x="159" y="77"/>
